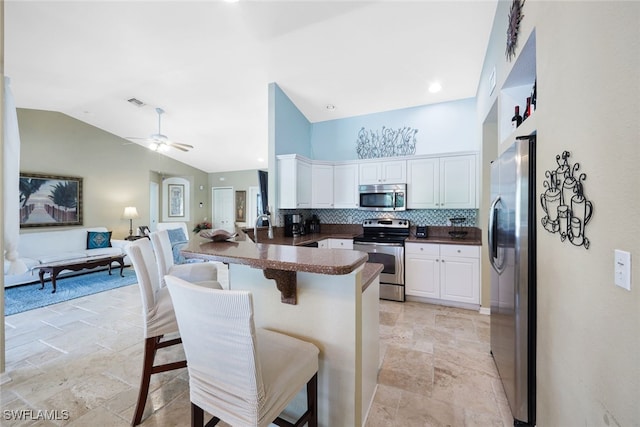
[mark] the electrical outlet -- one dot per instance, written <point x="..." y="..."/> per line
<point x="622" y="269"/>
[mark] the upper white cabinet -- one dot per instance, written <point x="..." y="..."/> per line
<point x="423" y="183"/>
<point x="322" y="186"/>
<point x="294" y="182"/>
<point x="345" y="186"/>
<point x="442" y="183"/>
<point x="384" y="172"/>
<point x="445" y="182"/>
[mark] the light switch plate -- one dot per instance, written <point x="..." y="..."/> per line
<point x="622" y="269"/>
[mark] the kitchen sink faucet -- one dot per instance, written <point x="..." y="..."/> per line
<point x="263" y="217"/>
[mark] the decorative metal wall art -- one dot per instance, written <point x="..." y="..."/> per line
<point x="386" y="143"/>
<point x="513" y="27"/>
<point x="567" y="210"/>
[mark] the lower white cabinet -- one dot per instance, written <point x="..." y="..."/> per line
<point x="335" y="244"/>
<point x="444" y="272"/>
<point x="340" y="243"/>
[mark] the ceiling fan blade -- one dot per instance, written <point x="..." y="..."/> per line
<point x="179" y="148"/>
<point x="179" y="144"/>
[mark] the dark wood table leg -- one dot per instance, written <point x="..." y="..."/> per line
<point x="121" y="262"/>
<point x="54" y="274"/>
<point x="41" y="274"/>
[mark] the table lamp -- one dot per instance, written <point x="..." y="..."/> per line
<point x="130" y="212"/>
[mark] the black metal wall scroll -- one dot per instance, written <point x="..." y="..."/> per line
<point x="386" y="143"/>
<point x="567" y="210"/>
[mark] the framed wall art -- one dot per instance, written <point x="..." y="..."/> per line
<point x="50" y="200"/>
<point x="241" y="208"/>
<point x="176" y="200"/>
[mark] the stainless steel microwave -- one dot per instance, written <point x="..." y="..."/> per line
<point x="383" y="197"/>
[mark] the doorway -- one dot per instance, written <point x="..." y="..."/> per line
<point x="223" y="209"/>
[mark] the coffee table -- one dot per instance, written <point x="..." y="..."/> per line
<point x="78" y="264"/>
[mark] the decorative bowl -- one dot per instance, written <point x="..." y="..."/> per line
<point x="217" y="235"/>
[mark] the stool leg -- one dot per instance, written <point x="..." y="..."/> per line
<point x="197" y="416"/>
<point x="149" y="355"/>
<point x="312" y="400"/>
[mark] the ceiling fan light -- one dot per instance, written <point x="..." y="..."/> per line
<point x="163" y="147"/>
<point x="154" y="146"/>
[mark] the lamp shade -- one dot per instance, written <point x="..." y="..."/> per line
<point x="130" y="212"/>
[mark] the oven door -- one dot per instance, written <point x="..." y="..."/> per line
<point x="391" y="256"/>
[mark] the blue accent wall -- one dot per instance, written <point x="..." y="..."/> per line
<point x="442" y="128"/>
<point x="292" y="130"/>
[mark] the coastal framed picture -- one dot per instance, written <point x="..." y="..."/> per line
<point x="176" y="200"/>
<point x="50" y="200"/>
<point x="241" y="208"/>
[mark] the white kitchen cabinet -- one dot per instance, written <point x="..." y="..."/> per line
<point x="385" y="172"/>
<point x="422" y="270"/>
<point x="443" y="272"/>
<point x="340" y="243"/>
<point x="321" y="186"/>
<point x="442" y="183"/>
<point x="423" y="183"/>
<point x="294" y="182"/>
<point x="345" y="186"/>
<point x="458" y="182"/>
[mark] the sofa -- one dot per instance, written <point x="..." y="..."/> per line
<point x="39" y="248"/>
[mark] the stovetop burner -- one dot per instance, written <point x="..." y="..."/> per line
<point x="384" y="231"/>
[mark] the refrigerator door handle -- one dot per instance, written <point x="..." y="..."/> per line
<point x="494" y="258"/>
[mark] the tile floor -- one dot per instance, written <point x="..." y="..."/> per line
<point x="80" y="361"/>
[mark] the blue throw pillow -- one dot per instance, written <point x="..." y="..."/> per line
<point x="176" y="235"/>
<point x="177" y="239"/>
<point x="98" y="239"/>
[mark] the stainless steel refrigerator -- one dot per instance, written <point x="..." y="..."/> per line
<point x="512" y="252"/>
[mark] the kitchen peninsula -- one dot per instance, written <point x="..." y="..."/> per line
<point x="333" y="304"/>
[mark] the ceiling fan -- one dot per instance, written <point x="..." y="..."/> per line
<point x="160" y="142"/>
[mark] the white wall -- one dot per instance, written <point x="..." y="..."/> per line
<point x="588" y="369"/>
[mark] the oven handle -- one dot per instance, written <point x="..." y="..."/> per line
<point x="378" y="244"/>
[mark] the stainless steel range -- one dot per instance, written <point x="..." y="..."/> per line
<point x="383" y="240"/>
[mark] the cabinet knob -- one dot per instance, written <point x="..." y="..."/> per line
<point x="459" y="251"/>
<point x="422" y="249"/>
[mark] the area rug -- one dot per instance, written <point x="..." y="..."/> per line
<point x="27" y="297"/>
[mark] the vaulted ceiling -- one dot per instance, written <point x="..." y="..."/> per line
<point x="208" y="64"/>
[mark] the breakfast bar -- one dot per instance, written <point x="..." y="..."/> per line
<point x="328" y="297"/>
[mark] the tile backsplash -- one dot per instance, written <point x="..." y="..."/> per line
<point x="416" y="216"/>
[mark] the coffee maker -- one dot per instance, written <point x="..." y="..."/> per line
<point x="293" y="225"/>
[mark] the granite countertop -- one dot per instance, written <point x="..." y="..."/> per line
<point x="275" y="254"/>
<point x="370" y="272"/>
<point x="440" y="235"/>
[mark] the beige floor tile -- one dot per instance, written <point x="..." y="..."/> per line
<point x="85" y="356"/>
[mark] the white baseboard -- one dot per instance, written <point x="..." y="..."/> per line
<point x="485" y="310"/>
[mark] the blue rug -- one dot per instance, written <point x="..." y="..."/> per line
<point x="27" y="297"/>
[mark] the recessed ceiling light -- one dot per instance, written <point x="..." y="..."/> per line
<point x="435" y="87"/>
<point x="260" y="159"/>
<point x="330" y="107"/>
